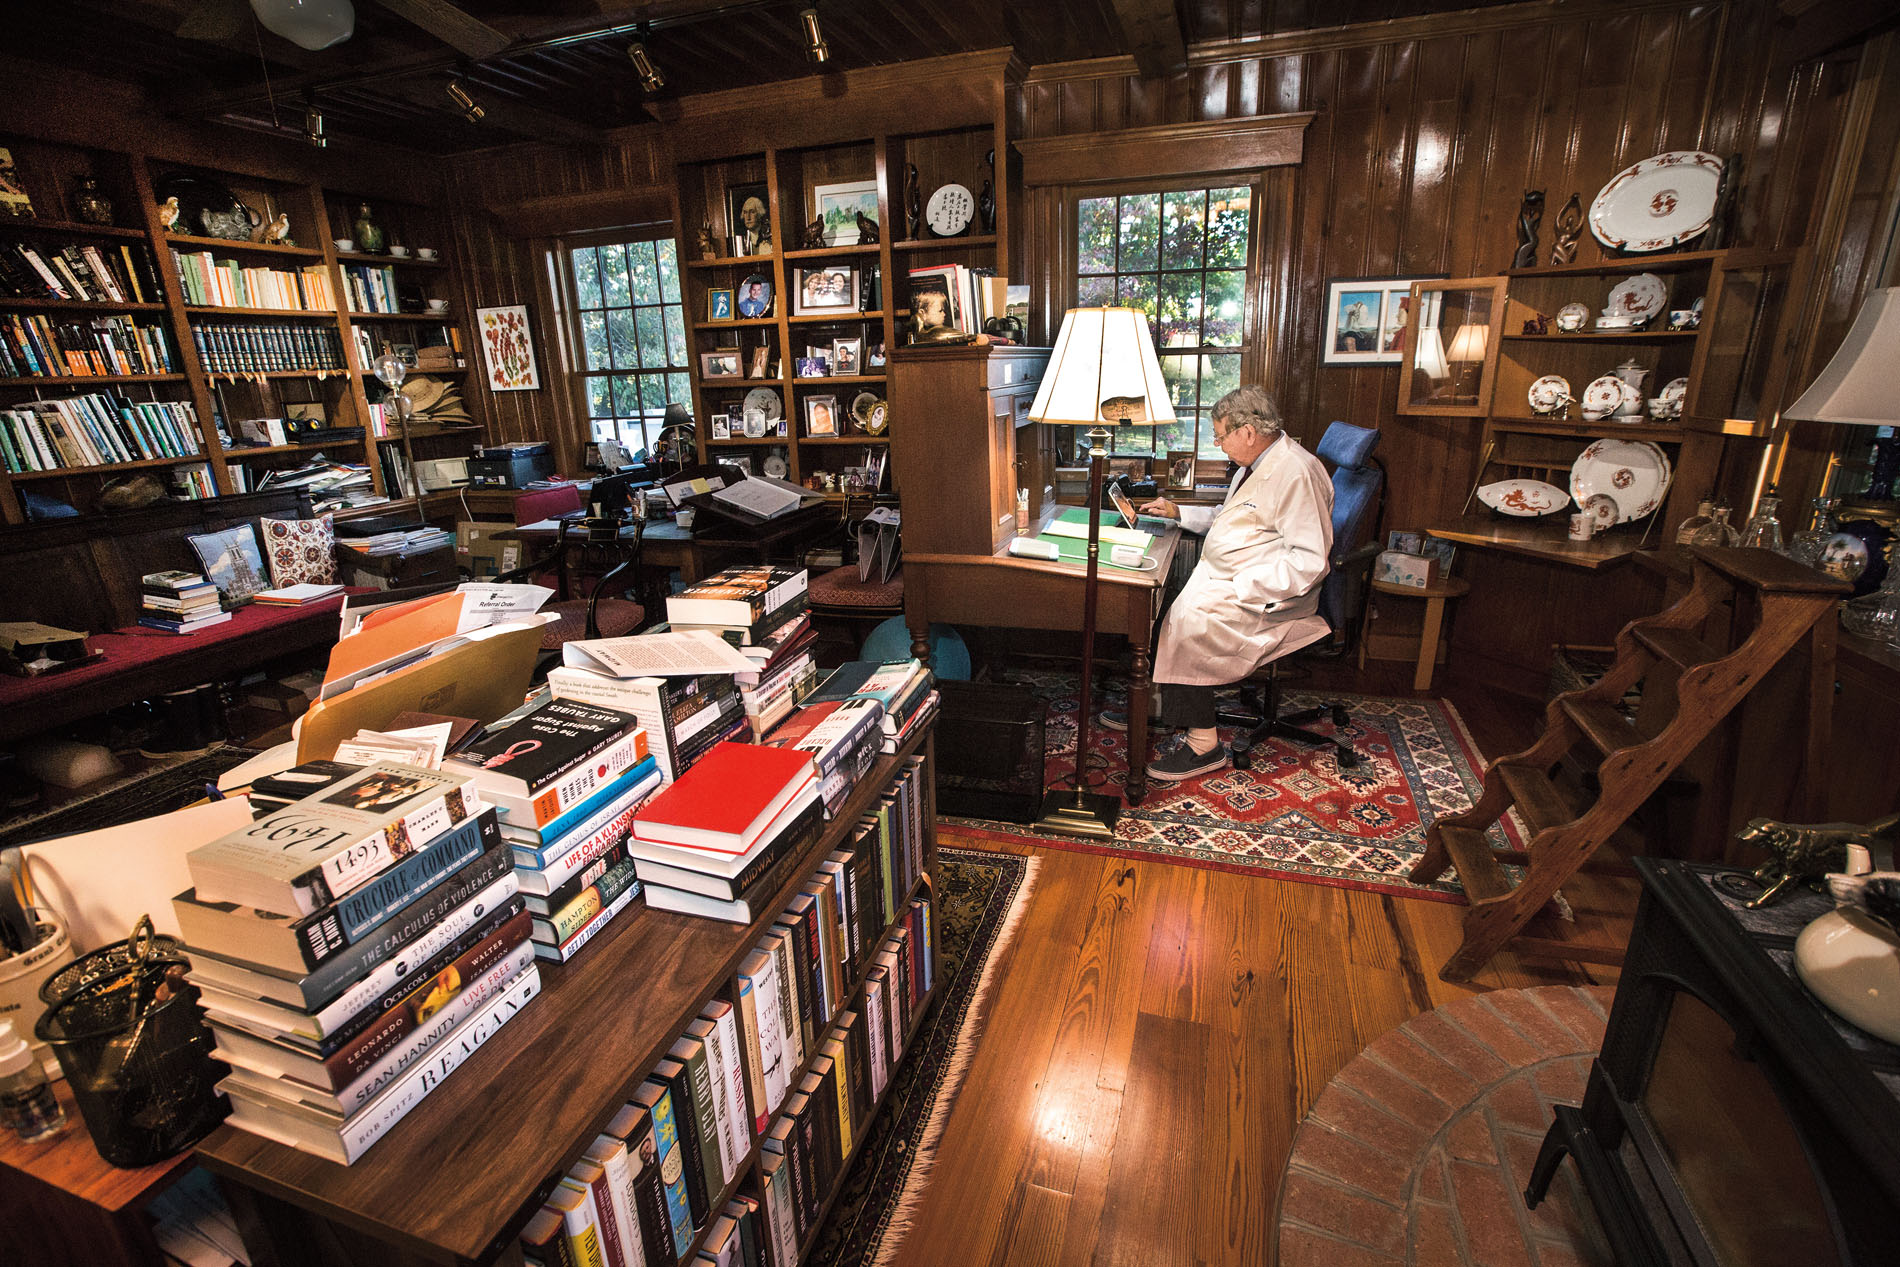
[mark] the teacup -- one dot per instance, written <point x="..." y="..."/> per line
<point x="1571" y="321"/>
<point x="345" y="244"/>
<point x="399" y="251"/>
<point x="438" y="305"/>
<point x="425" y="252"/>
<point x="1684" y="319"/>
<point x="1661" y="408"/>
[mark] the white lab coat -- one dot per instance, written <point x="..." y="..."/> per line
<point x="1254" y="596"/>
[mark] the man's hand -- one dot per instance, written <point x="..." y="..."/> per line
<point x="1163" y="507"/>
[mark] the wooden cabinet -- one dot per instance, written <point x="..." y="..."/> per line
<point x="969" y="445"/>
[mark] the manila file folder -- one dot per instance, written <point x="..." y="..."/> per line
<point x="483" y="680"/>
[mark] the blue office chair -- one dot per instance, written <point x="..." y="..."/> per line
<point x="1358" y="499"/>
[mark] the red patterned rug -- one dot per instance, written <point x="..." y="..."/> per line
<point x="1294" y="814"/>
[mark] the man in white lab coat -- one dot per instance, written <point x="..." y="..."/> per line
<point x="1254" y="595"/>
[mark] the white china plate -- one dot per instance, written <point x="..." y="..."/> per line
<point x="1525" y="499"/>
<point x="1674" y="390"/>
<point x="1639" y="298"/>
<point x="775" y="466"/>
<point x="1634" y="473"/>
<point x="1548" y="394"/>
<point x="1577" y="316"/>
<point x="767" y="399"/>
<point x="1604" y="396"/>
<point x="1657" y="203"/>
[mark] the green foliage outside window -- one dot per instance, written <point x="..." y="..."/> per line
<point x="632" y="335"/>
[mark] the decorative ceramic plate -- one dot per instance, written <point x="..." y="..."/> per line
<point x="949" y="210"/>
<point x="1615" y="323"/>
<point x="1639" y="298"/>
<point x="767" y="399"/>
<point x="871" y="413"/>
<point x="1603" y="397"/>
<point x="1657" y="203"/>
<point x="1857" y="554"/>
<point x="1674" y="390"/>
<point x="775" y="466"/>
<point x="1573" y="317"/>
<point x="1549" y="394"/>
<point x="1524" y="499"/>
<point x="1635" y="474"/>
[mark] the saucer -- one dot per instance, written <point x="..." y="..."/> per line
<point x="1523" y="498"/>
<point x="1549" y="394"/>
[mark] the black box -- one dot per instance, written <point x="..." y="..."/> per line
<point x="510" y="466"/>
<point x="990" y="751"/>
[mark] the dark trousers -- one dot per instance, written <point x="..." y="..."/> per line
<point x="1189" y="707"/>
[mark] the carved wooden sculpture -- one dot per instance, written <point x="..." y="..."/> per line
<point x="1569" y="229"/>
<point x="1528" y="219"/>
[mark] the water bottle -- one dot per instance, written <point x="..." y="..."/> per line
<point x="27" y="1103"/>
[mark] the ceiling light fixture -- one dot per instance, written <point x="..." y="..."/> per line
<point x="465" y="103"/>
<point x="311" y="24"/>
<point x="815" y="47"/>
<point x="650" y="77"/>
<point x="313" y="126"/>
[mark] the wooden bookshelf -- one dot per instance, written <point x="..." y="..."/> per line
<point x="456" y="1179"/>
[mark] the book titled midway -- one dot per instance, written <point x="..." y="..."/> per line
<point x="310" y="853"/>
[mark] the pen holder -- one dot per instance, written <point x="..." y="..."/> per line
<point x="24" y="977"/>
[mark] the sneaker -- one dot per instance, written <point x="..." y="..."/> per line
<point x="1113" y="719"/>
<point x="1182" y="762"/>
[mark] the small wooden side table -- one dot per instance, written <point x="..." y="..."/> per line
<point x="1435" y="596"/>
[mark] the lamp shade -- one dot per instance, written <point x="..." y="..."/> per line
<point x="311" y="24"/>
<point x="1431" y="355"/>
<point x="1103" y="369"/>
<point x="1468" y="344"/>
<point x="1857" y="387"/>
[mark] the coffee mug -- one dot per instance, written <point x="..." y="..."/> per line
<point x="400" y="252"/>
<point x="1580" y="524"/>
<point x="425" y="252"/>
<point x="346" y="244"/>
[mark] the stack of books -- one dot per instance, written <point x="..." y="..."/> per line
<point x="351" y="949"/>
<point x="683" y="716"/>
<point x="728" y="834"/>
<point x="905" y="688"/>
<point x="787" y="674"/>
<point x="179" y="602"/>
<point x="743" y="605"/>
<point x="843" y="737"/>
<point x="566" y="779"/>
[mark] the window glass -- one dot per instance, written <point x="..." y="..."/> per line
<point x="632" y="336"/>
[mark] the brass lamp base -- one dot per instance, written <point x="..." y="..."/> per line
<point x="1079" y="813"/>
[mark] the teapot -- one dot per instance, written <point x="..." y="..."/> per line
<point x="1632" y="376"/>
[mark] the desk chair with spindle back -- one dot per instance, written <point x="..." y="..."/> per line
<point x="590" y="578"/>
<point x="1358" y="498"/>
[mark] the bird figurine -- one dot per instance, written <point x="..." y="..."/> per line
<point x="867" y="229"/>
<point x="706" y="250"/>
<point x="168" y="212"/>
<point x="815" y="235"/>
<point x="278" y="230"/>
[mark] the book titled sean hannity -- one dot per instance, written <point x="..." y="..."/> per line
<point x="312" y="852"/>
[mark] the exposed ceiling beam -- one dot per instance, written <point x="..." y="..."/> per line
<point x="1153" y="31"/>
<point x="467" y="35"/>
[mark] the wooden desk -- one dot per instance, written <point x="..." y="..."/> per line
<point x="1546" y="539"/>
<point x="693" y="556"/>
<point x="1011" y="593"/>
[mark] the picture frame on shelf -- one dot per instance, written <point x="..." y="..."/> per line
<point x="1368" y="319"/>
<point x="755" y="296"/>
<point x="747" y="219"/>
<point x="1181" y="469"/>
<point x="720" y="363"/>
<point x="838" y="205"/>
<point x="741" y="460"/>
<point x="782" y="426"/>
<point x="846" y="355"/>
<point x="761" y="362"/>
<point x="828" y="288"/>
<point x="719" y="303"/>
<point x="813" y="367"/>
<point x="721" y="426"/>
<point x="753" y="423"/>
<point x="874" y="359"/>
<point x="821" y="417"/>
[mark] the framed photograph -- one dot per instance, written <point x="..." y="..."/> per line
<point x="1181" y="468"/>
<point x="813" y="367"/>
<point x="233" y="562"/>
<point x="747" y="221"/>
<point x="755" y="296"/>
<point x="846" y="355"/>
<point x="761" y="361"/>
<point x="741" y="460"/>
<point x="1135" y="468"/>
<point x="406" y="353"/>
<point x="722" y="426"/>
<point x="1405" y="542"/>
<point x="828" y="288"/>
<point x="508" y="349"/>
<point x="719" y="303"/>
<point x="876" y="358"/>
<point x="838" y="206"/>
<point x="723" y="363"/>
<point x="753" y="424"/>
<point x="821" y="416"/>
<point x="1368" y="319"/>
<point x="782" y="426"/>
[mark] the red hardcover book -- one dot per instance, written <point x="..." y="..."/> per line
<point x="726" y="799"/>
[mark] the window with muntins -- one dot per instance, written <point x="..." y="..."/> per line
<point x="631" y="334"/>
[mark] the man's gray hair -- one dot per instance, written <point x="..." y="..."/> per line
<point x="1249" y="406"/>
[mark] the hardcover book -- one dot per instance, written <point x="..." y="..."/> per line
<point x="311" y="853"/>
<point x="725" y="802"/>
<point x="552" y="759"/>
<point x="741" y="596"/>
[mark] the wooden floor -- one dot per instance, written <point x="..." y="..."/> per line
<point x="1155" y="1033"/>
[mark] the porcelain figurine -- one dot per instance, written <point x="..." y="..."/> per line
<point x="369" y="235"/>
<point x="278" y="230"/>
<point x="1569" y="229"/>
<point x="706" y="249"/>
<point x="1528" y="218"/>
<point x="1632" y="375"/>
<point x="913" y="202"/>
<point x="168" y="213"/>
<point x="815" y="235"/>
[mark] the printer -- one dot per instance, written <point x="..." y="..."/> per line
<point x="510" y="465"/>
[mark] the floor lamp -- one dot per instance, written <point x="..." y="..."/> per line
<point x="1857" y="387"/>
<point x="1103" y="370"/>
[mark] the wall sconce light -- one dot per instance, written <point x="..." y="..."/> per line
<point x="465" y="103"/>
<point x="650" y="77"/>
<point x="313" y="126"/>
<point x="815" y="47"/>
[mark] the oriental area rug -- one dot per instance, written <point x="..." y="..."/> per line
<point x="980" y="900"/>
<point x="1295" y="815"/>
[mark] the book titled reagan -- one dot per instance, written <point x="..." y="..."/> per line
<point x="308" y="854"/>
<point x="551" y="759"/>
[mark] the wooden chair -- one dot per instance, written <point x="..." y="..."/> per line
<point x="591" y="580"/>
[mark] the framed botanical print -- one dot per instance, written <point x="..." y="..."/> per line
<point x="508" y="349"/>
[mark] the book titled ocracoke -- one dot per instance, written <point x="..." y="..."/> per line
<point x="312" y="852"/>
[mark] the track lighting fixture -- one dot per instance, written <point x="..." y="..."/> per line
<point x="815" y="47"/>
<point x="313" y="125"/>
<point x="650" y="77"/>
<point x="465" y="103"/>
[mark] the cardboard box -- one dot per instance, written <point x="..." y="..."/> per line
<point x="1395" y="567"/>
<point x="480" y="555"/>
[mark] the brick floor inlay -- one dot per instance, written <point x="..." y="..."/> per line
<point x="1417" y="1153"/>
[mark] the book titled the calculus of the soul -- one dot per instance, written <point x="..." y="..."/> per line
<point x="312" y="852"/>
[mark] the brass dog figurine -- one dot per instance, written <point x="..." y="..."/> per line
<point x="1807" y="851"/>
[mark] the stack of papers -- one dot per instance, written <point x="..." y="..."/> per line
<point x="298" y="595"/>
<point x="423" y="746"/>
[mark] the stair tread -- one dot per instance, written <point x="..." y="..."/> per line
<point x="1767" y="571"/>
<point x="1477" y="866"/>
<point x="1675" y="646"/>
<point x="1602" y="723"/>
<point x="1537" y="797"/>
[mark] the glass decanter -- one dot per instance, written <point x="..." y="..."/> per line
<point x="1805" y="546"/>
<point x="1686" y="530"/>
<point x="1718" y="531"/>
<point x="1764" y="526"/>
<point x="1876" y="615"/>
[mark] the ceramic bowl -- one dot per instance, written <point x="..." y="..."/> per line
<point x="1684" y="318"/>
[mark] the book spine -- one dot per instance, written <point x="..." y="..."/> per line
<point x="368" y="906"/>
<point x="580" y="1220"/>
<point x="610" y="1155"/>
<point x="348" y="868"/>
<point x="572" y="946"/>
<point x="666" y="1137"/>
<point x="775" y="1195"/>
<point x="606" y="831"/>
<point x="790" y="1005"/>
<point x="740" y="1129"/>
<point x="545" y="905"/>
<point x="656" y="1226"/>
<point x="725" y="1114"/>
<point x="747" y="1009"/>
<point x="705" y="1107"/>
<point x="595" y="898"/>
<point x="686" y="1118"/>
<point x="877" y="1029"/>
<point x="577" y="784"/>
<point x="601" y="1194"/>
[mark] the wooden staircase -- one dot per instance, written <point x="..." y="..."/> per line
<point x="1775" y="606"/>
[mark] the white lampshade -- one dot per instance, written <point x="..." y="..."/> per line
<point x="1857" y="387"/>
<point x="311" y="24"/>
<point x="1468" y="344"/>
<point x="1103" y="369"/>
